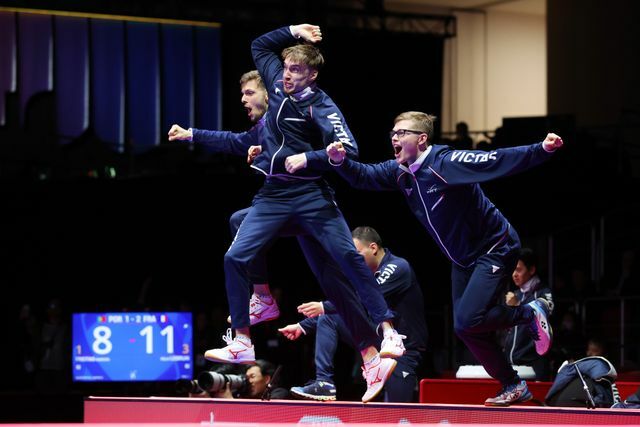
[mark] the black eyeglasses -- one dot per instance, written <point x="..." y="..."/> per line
<point x="403" y="132"/>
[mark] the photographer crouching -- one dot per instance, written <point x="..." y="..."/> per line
<point x="257" y="382"/>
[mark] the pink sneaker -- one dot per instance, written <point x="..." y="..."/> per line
<point x="238" y="350"/>
<point x="376" y="373"/>
<point x="540" y="327"/>
<point x="261" y="310"/>
<point x="392" y="345"/>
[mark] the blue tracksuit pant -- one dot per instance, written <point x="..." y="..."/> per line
<point x="309" y="207"/>
<point x="400" y="387"/>
<point x="324" y="268"/>
<point x="476" y="316"/>
<point x="258" y="269"/>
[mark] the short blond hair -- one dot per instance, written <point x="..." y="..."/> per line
<point x="422" y="121"/>
<point x="252" y="75"/>
<point x="304" y="54"/>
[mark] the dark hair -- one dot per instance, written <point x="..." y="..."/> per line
<point x="266" y="367"/>
<point x="528" y="257"/>
<point x="597" y="340"/>
<point x="367" y="235"/>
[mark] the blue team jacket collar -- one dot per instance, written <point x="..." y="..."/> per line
<point x="304" y="93"/>
<point x="383" y="261"/>
<point x="413" y="167"/>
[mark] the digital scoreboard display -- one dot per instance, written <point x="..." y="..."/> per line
<point x="132" y="346"/>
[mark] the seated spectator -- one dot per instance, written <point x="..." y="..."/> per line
<point x="596" y="347"/>
<point x="462" y="141"/>
<point x="402" y="292"/>
<point x="519" y="344"/>
<point x="484" y="145"/>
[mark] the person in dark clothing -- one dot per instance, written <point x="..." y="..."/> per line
<point x="442" y="188"/>
<point x="519" y="346"/>
<point x="404" y="296"/>
<point x="301" y="121"/>
<point x="258" y="376"/>
<point x="463" y="140"/>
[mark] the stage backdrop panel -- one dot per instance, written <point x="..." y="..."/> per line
<point x="126" y="80"/>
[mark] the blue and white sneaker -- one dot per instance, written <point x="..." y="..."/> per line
<point x="540" y="328"/>
<point x="514" y="393"/>
<point x="315" y="390"/>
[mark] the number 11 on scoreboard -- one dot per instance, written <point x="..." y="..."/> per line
<point x="147" y="332"/>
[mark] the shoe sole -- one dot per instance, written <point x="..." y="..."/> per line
<point x="528" y="398"/>
<point x="313" y="396"/>
<point x="252" y="322"/>
<point x="260" y="320"/>
<point x="213" y="358"/>
<point x="384" y="382"/>
<point x="391" y="355"/>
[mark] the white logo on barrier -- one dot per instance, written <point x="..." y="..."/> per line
<point x="320" y="420"/>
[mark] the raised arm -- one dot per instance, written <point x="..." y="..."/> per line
<point x="223" y="141"/>
<point x="266" y="49"/>
<point x="467" y="167"/>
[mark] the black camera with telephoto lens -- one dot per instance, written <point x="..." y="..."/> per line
<point x="213" y="382"/>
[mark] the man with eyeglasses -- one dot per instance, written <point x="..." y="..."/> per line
<point x="442" y="188"/>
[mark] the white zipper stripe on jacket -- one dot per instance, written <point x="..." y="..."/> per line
<point x="501" y="239"/>
<point x="281" y="146"/>
<point x="257" y="168"/>
<point x="293" y="177"/>
<point x="437" y="203"/>
<point x="513" y="346"/>
<point x="424" y="205"/>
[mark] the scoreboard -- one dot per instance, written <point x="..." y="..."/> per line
<point x="132" y="346"/>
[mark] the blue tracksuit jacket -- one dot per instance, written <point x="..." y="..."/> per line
<point x="443" y="191"/>
<point x="294" y="126"/>
<point x="218" y="141"/>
